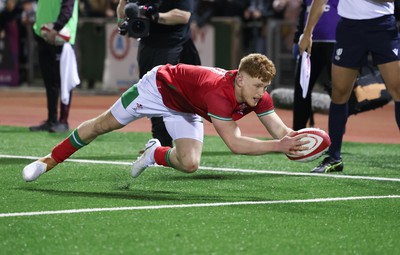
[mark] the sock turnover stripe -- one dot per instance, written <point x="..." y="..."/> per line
<point x="167" y="157"/>
<point x="76" y="140"/>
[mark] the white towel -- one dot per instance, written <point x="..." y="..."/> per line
<point x="305" y="71"/>
<point x="68" y="72"/>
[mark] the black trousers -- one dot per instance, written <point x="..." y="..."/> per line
<point x="321" y="60"/>
<point x="49" y="63"/>
<point x="149" y="57"/>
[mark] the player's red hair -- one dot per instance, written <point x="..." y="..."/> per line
<point x="258" y="66"/>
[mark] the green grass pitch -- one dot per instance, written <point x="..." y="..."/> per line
<point x="232" y="205"/>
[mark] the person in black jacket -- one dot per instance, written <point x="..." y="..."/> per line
<point x="169" y="42"/>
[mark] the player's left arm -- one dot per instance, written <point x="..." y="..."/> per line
<point x="238" y="144"/>
<point x="275" y="126"/>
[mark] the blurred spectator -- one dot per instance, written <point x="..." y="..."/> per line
<point x="100" y="8"/>
<point x="201" y="15"/>
<point x="16" y="19"/>
<point x="85" y="8"/>
<point x="8" y="16"/>
<point x="206" y="9"/>
<point x="111" y="8"/>
<point x="27" y="19"/>
<point x="254" y="26"/>
<point x="9" y="43"/>
<point x="230" y="8"/>
<point x="28" y="12"/>
<point x="289" y="10"/>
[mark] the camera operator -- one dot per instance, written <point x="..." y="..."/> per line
<point x="168" y="39"/>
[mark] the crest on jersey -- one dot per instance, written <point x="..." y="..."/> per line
<point x="338" y="53"/>
<point x="241" y="108"/>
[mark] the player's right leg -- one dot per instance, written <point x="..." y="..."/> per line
<point x="187" y="131"/>
<point x="186" y="155"/>
<point x="80" y="137"/>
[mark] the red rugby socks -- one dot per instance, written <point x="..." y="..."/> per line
<point x="67" y="147"/>
<point x="161" y="155"/>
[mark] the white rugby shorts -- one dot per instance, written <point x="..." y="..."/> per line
<point x="144" y="100"/>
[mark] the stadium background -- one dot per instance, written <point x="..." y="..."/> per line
<point x="103" y="82"/>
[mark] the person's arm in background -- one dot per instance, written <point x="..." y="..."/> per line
<point x="203" y="12"/>
<point x="316" y="10"/>
<point x="300" y="29"/>
<point x="174" y="17"/>
<point x="67" y="8"/>
<point x="201" y="16"/>
<point x="120" y="11"/>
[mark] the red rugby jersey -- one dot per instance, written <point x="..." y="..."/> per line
<point x="206" y="91"/>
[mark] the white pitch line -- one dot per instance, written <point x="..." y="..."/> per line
<point x="339" y="176"/>
<point x="72" y="160"/>
<point x="158" y="207"/>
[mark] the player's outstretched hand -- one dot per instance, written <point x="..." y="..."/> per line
<point x="292" y="143"/>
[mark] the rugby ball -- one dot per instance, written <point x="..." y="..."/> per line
<point x="319" y="142"/>
<point x="61" y="37"/>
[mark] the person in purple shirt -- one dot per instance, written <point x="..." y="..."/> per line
<point x="324" y="37"/>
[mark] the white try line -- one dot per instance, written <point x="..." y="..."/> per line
<point x="339" y="176"/>
<point x="158" y="207"/>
